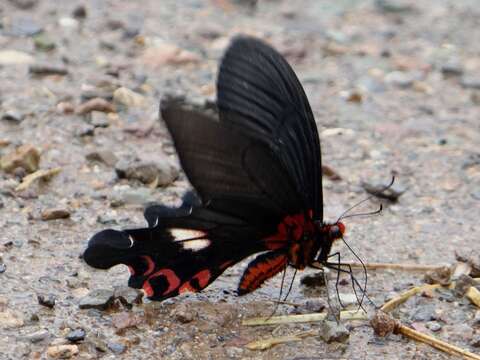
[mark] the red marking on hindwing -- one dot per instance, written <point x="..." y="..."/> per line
<point x="203" y="277"/>
<point x="172" y="280"/>
<point x="147" y="288"/>
<point x="257" y="273"/>
<point x="186" y="287"/>
<point x="150" y="265"/>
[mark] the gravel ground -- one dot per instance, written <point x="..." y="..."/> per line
<point x="395" y="89"/>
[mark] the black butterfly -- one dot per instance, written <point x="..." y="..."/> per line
<point x="256" y="167"/>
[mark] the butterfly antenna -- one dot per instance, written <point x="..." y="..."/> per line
<point x="366" y="199"/>
<point x="378" y="211"/>
<point x="364" y="292"/>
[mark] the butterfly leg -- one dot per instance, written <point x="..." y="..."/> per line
<point x="280" y="293"/>
<point x="338" y="267"/>
<point x="335" y="312"/>
<point x="337" y="255"/>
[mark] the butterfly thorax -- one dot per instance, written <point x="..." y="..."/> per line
<point x="305" y="238"/>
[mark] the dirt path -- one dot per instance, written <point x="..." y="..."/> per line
<point x="395" y="89"/>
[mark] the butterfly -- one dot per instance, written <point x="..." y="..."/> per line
<point x="255" y="165"/>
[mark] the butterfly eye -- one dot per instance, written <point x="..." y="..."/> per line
<point x="335" y="232"/>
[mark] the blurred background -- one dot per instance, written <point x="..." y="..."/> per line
<point x="395" y="88"/>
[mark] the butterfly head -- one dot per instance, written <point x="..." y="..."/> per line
<point x="336" y="231"/>
<point x="326" y="236"/>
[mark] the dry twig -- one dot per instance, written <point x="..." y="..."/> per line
<point x="302" y="318"/>
<point x="270" y="342"/>
<point x="382" y="321"/>
<point x="388" y="266"/>
<point x="44" y="175"/>
<point x="434" y="342"/>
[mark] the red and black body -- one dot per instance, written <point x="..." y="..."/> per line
<point x="256" y="167"/>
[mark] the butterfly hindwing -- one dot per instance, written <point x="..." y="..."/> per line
<point x="186" y="250"/>
<point x="262" y="268"/>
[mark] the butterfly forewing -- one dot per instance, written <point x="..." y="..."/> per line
<point x="259" y="92"/>
<point x="232" y="172"/>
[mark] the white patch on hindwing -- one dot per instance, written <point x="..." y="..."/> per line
<point x="197" y="242"/>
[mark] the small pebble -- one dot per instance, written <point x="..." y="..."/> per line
<point x="53" y="214"/>
<point x="65" y="107"/>
<point x="439" y="276"/>
<point x="452" y="68"/>
<point x="128" y="296"/>
<point x="313" y="280"/>
<point x="116" y="348"/>
<point x="10" y="319"/>
<point x="234" y="352"/>
<point x="470" y="81"/>
<point x="37" y="336"/>
<point x="47" y="69"/>
<point x="80" y="12"/>
<point x="331" y="331"/>
<point x="14" y="57"/>
<point x="47" y="300"/>
<point x="105" y="156"/>
<point x="315" y="305"/>
<point x="434" y="326"/>
<point x="424" y="313"/>
<point x="76" y="335"/>
<point x="85" y="130"/>
<point x="12" y="115"/>
<point x="62" y="351"/>
<point x="25" y="156"/>
<point x="184" y="314"/>
<point x="462" y="284"/>
<point x="160" y="170"/>
<point x="100" y="299"/>
<point x="393" y="6"/>
<point x="95" y="104"/>
<point x="107" y="219"/>
<point x="43" y="43"/>
<point x="128" y="98"/>
<point x="476" y="319"/>
<point x="475" y="342"/>
<point x="124" y="321"/>
<point x="24" y="26"/>
<point x="379" y="189"/>
<point x="24" y="4"/>
<point x="399" y="79"/>
<point x="99" y="119"/>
